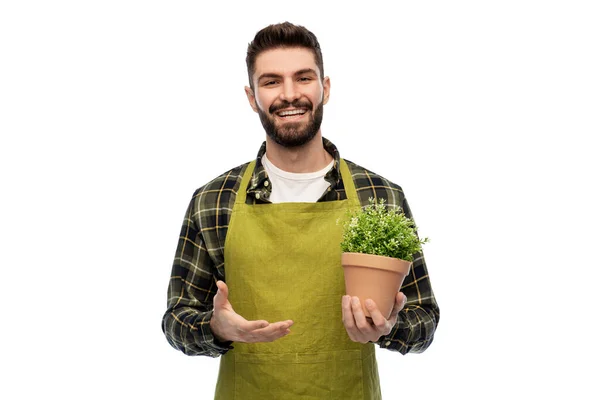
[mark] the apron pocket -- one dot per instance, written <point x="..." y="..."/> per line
<point x="328" y="375"/>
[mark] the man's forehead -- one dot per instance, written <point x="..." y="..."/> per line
<point x="285" y="61"/>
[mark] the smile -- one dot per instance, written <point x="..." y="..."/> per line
<point x="291" y="114"/>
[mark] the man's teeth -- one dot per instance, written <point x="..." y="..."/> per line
<point x="291" y="112"/>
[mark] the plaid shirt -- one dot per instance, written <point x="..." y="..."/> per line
<point x="199" y="259"/>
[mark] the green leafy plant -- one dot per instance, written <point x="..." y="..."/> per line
<point x="379" y="230"/>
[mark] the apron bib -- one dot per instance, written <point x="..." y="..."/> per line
<point x="283" y="261"/>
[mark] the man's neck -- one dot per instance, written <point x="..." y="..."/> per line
<point x="310" y="157"/>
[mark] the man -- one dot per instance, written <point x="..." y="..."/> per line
<point x="257" y="276"/>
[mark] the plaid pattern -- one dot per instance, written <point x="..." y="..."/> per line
<point x="199" y="259"/>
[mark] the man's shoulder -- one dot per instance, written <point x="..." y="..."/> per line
<point x="370" y="184"/>
<point x="220" y="189"/>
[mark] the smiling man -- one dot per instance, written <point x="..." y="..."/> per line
<point x="293" y="97"/>
<point x="257" y="276"/>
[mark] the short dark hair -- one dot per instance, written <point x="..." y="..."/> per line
<point x="282" y="35"/>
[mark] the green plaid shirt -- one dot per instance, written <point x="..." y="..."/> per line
<point x="199" y="259"/>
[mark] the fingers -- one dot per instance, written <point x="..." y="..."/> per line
<point x="358" y="327"/>
<point x="359" y="316"/>
<point x="348" y="318"/>
<point x="226" y="323"/>
<point x="362" y="329"/>
<point x="379" y="322"/>
<point x="250" y="326"/>
<point x="268" y="333"/>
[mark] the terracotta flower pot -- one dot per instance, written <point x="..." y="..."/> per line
<point x="373" y="277"/>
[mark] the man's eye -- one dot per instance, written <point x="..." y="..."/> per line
<point x="305" y="79"/>
<point x="270" y="83"/>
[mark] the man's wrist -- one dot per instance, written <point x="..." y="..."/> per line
<point x="218" y="341"/>
<point x="217" y="338"/>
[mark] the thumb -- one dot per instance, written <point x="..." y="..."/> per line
<point x="399" y="304"/>
<point x="220" y="300"/>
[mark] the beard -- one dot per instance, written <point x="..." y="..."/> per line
<point x="292" y="134"/>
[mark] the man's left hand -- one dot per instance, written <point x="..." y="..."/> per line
<point x="363" y="329"/>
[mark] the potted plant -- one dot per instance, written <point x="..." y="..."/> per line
<point x="377" y="245"/>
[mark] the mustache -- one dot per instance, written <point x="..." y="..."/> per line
<point x="286" y="104"/>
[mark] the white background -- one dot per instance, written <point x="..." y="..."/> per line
<point x="112" y="113"/>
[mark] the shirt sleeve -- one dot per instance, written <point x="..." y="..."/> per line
<point x="186" y="323"/>
<point x="418" y="320"/>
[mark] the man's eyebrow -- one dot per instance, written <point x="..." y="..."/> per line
<point x="306" y="71"/>
<point x="268" y="75"/>
<point x="299" y="72"/>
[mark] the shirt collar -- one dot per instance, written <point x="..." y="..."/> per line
<point x="258" y="183"/>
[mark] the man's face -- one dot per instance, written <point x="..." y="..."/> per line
<point x="288" y="95"/>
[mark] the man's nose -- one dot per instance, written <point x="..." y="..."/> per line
<point x="290" y="91"/>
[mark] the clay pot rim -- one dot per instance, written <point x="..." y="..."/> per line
<point x="376" y="261"/>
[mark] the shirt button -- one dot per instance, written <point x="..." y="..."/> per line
<point x="387" y="343"/>
<point x="266" y="183"/>
<point x="257" y="195"/>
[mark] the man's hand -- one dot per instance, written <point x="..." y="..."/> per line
<point x="362" y="329"/>
<point x="227" y="325"/>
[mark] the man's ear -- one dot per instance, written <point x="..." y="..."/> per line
<point x="251" y="99"/>
<point x="326" y="88"/>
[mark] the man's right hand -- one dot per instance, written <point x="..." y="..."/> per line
<point x="227" y="325"/>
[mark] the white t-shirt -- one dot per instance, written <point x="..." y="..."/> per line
<point x="290" y="187"/>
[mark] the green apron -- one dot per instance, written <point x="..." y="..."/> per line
<point x="283" y="261"/>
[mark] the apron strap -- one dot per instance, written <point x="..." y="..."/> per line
<point x="349" y="184"/>
<point x="241" y="194"/>
<point x="346" y="178"/>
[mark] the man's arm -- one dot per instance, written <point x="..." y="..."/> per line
<point x="198" y="308"/>
<point x="417" y="321"/>
<point x="186" y="323"/>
